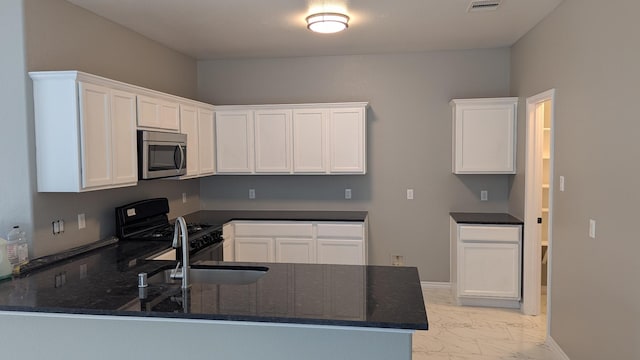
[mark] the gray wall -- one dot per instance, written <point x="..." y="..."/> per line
<point x="15" y="187"/>
<point x="62" y="36"/>
<point x="409" y="143"/>
<point x="590" y="54"/>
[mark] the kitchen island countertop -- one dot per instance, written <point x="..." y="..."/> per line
<point x="104" y="282"/>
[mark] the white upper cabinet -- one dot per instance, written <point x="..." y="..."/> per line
<point x="155" y="112"/>
<point x="196" y="121"/>
<point x="273" y="141"/>
<point x="234" y="142"/>
<point x="189" y="126"/>
<point x="123" y="127"/>
<point x="206" y="141"/>
<point x="291" y="139"/>
<point x="85" y="132"/>
<point x="310" y="141"/>
<point x="347" y="141"/>
<point x="484" y="135"/>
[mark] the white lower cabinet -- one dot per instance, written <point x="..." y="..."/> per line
<point x="254" y="249"/>
<point x="295" y="250"/>
<point x="487" y="262"/>
<point x="297" y="242"/>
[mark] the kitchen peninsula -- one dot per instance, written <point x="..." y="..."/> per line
<point x="91" y="307"/>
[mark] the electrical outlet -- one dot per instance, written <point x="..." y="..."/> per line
<point x="184" y="198"/>
<point x="397" y="260"/>
<point x="347" y="194"/>
<point x="81" y="222"/>
<point x="57" y="227"/>
<point x="409" y="194"/>
<point x="252" y="194"/>
<point x="484" y="195"/>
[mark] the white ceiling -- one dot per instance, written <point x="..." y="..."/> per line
<point x="216" y="29"/>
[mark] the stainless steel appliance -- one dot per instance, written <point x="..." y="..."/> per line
<point x="147" y="220"/>
<point x="161" y="154"/>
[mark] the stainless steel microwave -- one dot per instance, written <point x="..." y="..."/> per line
<point x="161" y="154"/>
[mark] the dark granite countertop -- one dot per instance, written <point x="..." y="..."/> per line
<point x="485" y="218"/>
<point x="220" y="217"/>
<point x="104" y="282"/>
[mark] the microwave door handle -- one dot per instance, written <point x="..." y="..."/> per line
<point x="181" y="157"/>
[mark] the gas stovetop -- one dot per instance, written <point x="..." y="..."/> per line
<point x="147" y="220"/>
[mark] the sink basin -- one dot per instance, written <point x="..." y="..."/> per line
<point x="216" y="274"/>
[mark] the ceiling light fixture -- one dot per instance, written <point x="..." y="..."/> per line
<point x="327" y="23"/>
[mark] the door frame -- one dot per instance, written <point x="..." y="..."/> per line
<point x="532" y="250"/>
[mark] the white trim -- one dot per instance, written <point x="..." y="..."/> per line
<point x="556" y="349"/>
<point x="435" y="285"/>
<point x="532" y="249"/>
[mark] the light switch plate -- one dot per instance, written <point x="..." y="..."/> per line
<point x="347" y="194"/>
<point x="409" y="194"/>
<point x="561" y="181"/>
<point x="81" y="222"/>
<point x="592" y="228"/>
<point x="484" y="195"/>
<point x="252" y="194"/>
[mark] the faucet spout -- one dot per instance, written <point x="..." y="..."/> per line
<point x="181" y="240"/>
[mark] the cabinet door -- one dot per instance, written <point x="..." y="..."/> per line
<point x="489" y="270"/>
<point x="309" y="141"/>
<point x="234" y="142"/>
<point x="205" y="141"/>
<point x="340" y="251"/>
<point x="273" y="141"/>
<point x="228" y="249"/>
<point x="189" y="126"/>
<point x="347" y="141"/>
<point x="349" y="280"/>
<point x="158" y="113"/>
<point x="95" y="129"/>
<point x="169" y="115"/>
<point x="254" y="249"/>
<point x="295" y="250"/>
<point x="123" y="123"/>
<point x="484" y="137"/>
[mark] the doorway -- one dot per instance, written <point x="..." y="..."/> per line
<point x="538" y="217"/>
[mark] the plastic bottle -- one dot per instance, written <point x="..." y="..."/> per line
<point x="17" y="247"/>
<point x="5" y="266"/>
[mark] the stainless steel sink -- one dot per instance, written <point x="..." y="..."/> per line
<point x="214" y="274"/>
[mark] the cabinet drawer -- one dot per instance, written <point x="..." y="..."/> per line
<point x="274" y="229"/>
<point x="343" y="231"/>
<point x="490" y="233"/>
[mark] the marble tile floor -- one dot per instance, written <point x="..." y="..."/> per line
<point x="463" y="332"/>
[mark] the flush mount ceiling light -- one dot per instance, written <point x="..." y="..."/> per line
<point x="327" y="23"/>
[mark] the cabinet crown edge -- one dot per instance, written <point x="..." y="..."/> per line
<point x="337" y="105"/>
<point x="500" y="100"/>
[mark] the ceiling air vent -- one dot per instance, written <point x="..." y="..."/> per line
<point x="483" y="5"/>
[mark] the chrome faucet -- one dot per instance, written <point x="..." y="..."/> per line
<point x="181" y="239"/>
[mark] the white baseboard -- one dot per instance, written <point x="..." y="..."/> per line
<point x="557" y="350"/>
<point x="435" y="285"/>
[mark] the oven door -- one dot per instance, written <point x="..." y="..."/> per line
<point x="161" y="154"/>
<point x="210" y="253"/>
